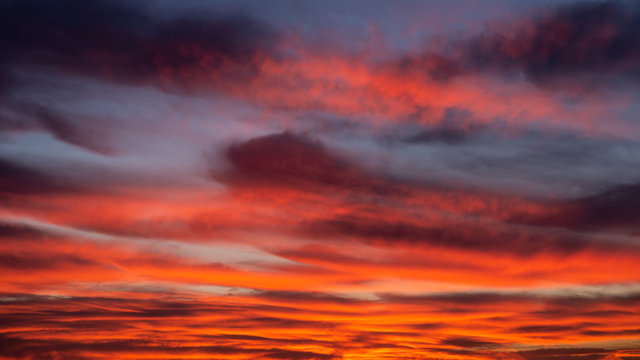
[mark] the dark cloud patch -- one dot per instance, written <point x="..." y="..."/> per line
<point x="287" y="158"/>
<point x="447" y="135"/>
<point x="463" y="235"/>
<point x="586" y="40"/>
<point x="428" y="326"/>
<point x="459" y="352"/>
<point x="54" y="315"/>
<point x="460" y="298"/>
<point x="305" y="297"/>
<point x="6" y="82"/>
<point x="612" y="333"/>
<point x="116" y="40"/>
<point x="565" y="354"/>
<point x="84" y="133"/>
<point x="26" y="348"/>
<point x="550" y="328"/>
<point x="296" y="355"/>
<point x="293" y="160"/>
<point x="19" y="179"/>
<point x="25" y="261"/>
<point x="454" y="127"/>
<point x="608" y="313"/>
<point x="21" y="232"/>
<point x="438" y="67"/>
<point x="465" y="342"/>
<point x="587" y="43"/>
<point x="279" y="323"/>
<point x="616" y="208"/>
<point x="18" y="319"/>
<point x="577" y="302"/>
<point x="552" y="306"/>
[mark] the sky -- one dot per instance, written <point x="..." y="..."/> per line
<point x="438" y="180"/>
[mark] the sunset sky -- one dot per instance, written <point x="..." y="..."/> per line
<point x="335" y="179"/>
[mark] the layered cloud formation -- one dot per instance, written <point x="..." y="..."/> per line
<point x="249" y="180"/>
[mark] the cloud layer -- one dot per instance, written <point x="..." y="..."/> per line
<point x="227" y="181"/>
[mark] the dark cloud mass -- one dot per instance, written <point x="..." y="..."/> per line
<point x="17" y="178"/>
<point x="117" y="40"/>
<point x="583" y="43"/>
<point x="468" y="342"/>
<point x="616" y="208"/>
<point x="296" y="161"/>
<point x="286" y="157"/>
<point x="587" y="39"/>
<point x="467" y="236"/>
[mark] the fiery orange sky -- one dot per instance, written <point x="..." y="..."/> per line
<point x="438" y="180"/>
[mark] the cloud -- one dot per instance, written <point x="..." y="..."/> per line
<point x="26" y="262"/>
<point x="565" y="354"/>
<point x="615" y="208"/>
<point x="321" y="241"/>
<point x="580" y="44"/>
<point x="305" y="296"/>
<point x="582" y="41"/>
<point x="115" y="40"/>
<point x="85" y="134"/>
<point x="286" y="158"/>
<point x="19" y="179"/>
<point x="297" y="161"/>
<point x="446" y="135"/>
<point x="465" y="342"/>
<point x="473" y="236"/>
<point x="21" y="232"/>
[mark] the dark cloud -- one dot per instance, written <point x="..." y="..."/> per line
<point x="6" y="82"/>
<point x="612" y="333"/>
<point x="565" y="354"/>
<point x="464" y="235"/>
<point x="296" y="355"/>
<point x="550" y="328"/>
<point x="585" y="40"/>
<point x="63" y="314"/>
<point x="552" y="306"/>
<point x="26" y="262"/>
<point x="454" y="351"/>
<point x="455" y="126"/>
<point x="19" y="179"/>
<point x="306" y="297"/>
<point x="465" y="342"/>
<point x="460" y="298"/>
<point x="117" y="41"/>
<point x="279" y="323"/>
<point x="85" y="133"/>
<point x="114" y="39"/>
<point x="286" y="158"/>
<point x="297" y="161"/>
<point x="616" y="208"/>
<point x="26" y="348"/>
<point x="585" y="43"/>
<point x="10" y="231"/>
<point x="302" y="163"/>
<point x="447" y="135"/>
